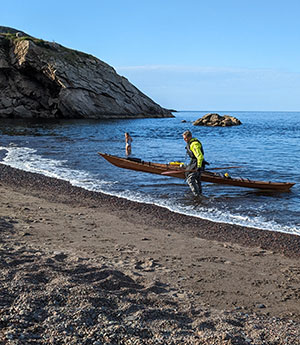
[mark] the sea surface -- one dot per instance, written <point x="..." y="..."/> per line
<point x="265" y="147"/>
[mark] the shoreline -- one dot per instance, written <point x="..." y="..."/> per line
<point x="84" y="267"/>
<point x="284" y="243"/>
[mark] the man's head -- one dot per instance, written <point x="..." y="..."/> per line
<point x="187" y="136"/>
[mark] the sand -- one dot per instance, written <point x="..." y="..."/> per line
<point x="81" y="267"/>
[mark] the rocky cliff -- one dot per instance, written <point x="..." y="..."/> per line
<point x="40" y="79"/>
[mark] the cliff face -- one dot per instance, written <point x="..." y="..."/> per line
<point x="40" y="79"/>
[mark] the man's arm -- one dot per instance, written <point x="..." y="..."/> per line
<point x="196" y="149"/>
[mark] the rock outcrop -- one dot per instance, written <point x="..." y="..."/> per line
<point x="214" y="120"/>
<point x="40" y="79"/>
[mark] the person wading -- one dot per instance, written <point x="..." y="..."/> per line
<point x="128" y="141"/>
<point x="193" y="174"/>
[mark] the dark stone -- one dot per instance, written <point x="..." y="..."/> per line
<point x="215" y="120"/>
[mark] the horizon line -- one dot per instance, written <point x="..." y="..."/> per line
<point x="211" y="111"/>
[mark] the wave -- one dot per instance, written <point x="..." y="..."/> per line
<point x="27" y="159"/>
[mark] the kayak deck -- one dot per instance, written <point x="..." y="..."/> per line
<point x="206" y="176"/>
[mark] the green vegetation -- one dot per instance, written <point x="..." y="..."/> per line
<point x="70" y="55"/>
<point x="14" y="38"/>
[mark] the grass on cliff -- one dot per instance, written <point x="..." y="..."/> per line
<point x="14" y="38"/>
<point x="70" y="55"/>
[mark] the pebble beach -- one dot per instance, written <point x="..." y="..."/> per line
<point x="80" y="267"/>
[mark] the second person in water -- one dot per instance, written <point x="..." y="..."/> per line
<point x="128" y="141"/>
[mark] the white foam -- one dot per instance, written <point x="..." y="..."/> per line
<point x="27" y="159"/>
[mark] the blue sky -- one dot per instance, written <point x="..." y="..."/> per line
<point x="185" y="55"/>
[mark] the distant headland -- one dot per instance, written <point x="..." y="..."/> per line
<point x="41" y="79"/>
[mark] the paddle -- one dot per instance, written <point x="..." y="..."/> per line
<point x="171" y="172"/>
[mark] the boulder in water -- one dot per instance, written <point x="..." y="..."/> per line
<point x="215" y="120"/>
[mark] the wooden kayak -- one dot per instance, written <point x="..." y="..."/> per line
<point x="206" y="176"/>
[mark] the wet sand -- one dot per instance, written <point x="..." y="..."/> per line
<point x="132" y="266"/>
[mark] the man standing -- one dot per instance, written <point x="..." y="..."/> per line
<point x="193" y="174"/>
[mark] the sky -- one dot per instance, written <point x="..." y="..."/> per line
<point x="185" y="55"/>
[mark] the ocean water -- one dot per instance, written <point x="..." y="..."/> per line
<point x="266" y="147"/>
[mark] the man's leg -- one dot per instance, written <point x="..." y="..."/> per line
<point x="199" y="181"/>
<point x="193" y="181"/>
